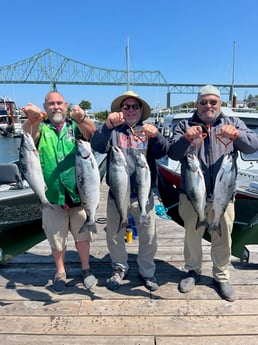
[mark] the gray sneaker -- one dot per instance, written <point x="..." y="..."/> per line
<point x="59" y="283"/>
<point x="151" y="283"/>
<point x="187" y="284"/>
<point x="115" y="281"/>
<point x="88" y="279"/>
<point x="225" y="290"/>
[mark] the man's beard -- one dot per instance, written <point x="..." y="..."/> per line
<point x="210" y="119"/>
<point x="57" y="118"/>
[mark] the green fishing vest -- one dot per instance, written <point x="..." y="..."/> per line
<point x="57" y="156"/>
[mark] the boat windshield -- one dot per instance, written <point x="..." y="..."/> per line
<point x="251" y="156"/>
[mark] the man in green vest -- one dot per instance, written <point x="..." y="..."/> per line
<point x="55" y="135"/>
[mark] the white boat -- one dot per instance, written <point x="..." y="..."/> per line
<point x="249" y="116"/>
<point x="11" y="118"/>
<point x="245" y="229"/>
<point x="18" y="203"/>
<point x="157" y="116"/>
<point x="90" y="116"/>
<point x="20" y="214"/>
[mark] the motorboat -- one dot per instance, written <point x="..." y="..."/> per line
<point x="20" y="213"/>
<point x="245" y="230"/>
<point x="18" y="203"/>
<point x="11" y="118"/>
<point x="157" y="116"/>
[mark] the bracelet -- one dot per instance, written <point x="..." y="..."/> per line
<point x="111" y="123"/>
<point x="81" y="121"/>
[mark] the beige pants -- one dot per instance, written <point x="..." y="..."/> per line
<point x="220" y="245"/>
<point x="57" y="222"/>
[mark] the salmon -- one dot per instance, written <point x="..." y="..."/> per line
<point x="143" y="186"/>
<point x="119" y="183"/>
<point x="31" y="168"/>
<point x="224" y="188"/>
<point x="88" y="183"/>
<point x="195" y="188"/>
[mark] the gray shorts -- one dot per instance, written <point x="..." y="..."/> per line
<point x="57" y="222"/>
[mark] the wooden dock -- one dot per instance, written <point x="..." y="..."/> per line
<point x="30" y="313"/>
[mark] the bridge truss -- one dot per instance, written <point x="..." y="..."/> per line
<point x="49" y="67"/>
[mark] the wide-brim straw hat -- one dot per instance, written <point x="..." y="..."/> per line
<point x="117" y="102"/>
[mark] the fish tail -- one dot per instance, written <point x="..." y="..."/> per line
<point x="215" y="228"/>
<point x="46" y="205"/>
<point x="144" y="218"/>
<point x="88" y="227"/>
<point x="122" y="225"/>
<point x="200" y="223"/>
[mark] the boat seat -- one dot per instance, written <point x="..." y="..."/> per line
<point x="10" y="173"/>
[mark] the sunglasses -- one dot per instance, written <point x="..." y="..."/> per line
<point x="211" y="102"/>
<point x="129" y="106"/>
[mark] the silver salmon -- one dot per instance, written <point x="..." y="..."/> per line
<point x="224" y="188"/>
<point x="195" y="188"/>
<point x="31" y="168"/>
<point x="143" y="186"/>
<point x="88" y="183"/>
<point x="119" y="183"/>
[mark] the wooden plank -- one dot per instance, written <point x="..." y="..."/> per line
<point x="127" y="325"/>
<point x="213" y="340"/>
<point x="18" y="339"/>
<point x="124" y="307"/>
<point x="129" y="340"/>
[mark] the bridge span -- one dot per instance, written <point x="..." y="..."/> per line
<point x="49" y="67"/>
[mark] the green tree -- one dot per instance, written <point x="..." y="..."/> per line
<point x="85" y="105"/>
<point x="101" y="116"/>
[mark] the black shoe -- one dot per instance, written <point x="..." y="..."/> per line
<point x="225" y="290"/>
<point x="59" y="283"/>
<point x="188" y="283"/>
<point x="150" y="283"/>
<point x="88" y="279"/>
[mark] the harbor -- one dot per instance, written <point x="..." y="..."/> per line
<point x="164" y="74"/>
<point x="31" y="313"/>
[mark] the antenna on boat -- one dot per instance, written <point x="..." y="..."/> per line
<point x="127" y="65"/>
<point x="233" y="74"/>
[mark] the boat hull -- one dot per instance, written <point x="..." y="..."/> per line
<point x="18" y="207"/>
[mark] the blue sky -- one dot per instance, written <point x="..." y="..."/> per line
<point x="189" y="41"/>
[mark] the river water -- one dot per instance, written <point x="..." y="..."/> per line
<point x="9" y="149"/>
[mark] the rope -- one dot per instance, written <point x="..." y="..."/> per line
<point x="101" y="220"/>
<point x="161" y="211"/>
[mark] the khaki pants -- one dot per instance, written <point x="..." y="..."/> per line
<point x="146" y="233"/>
<point x="220" y="245"/>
